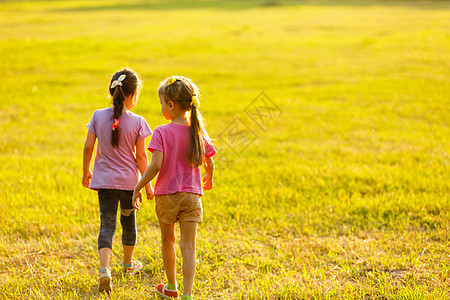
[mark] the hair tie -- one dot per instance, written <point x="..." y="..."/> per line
<point x="171" y="80"/>
<point x="195" y="102"/>
<point x="118" y="81"/>
<point x="115" y="124"/>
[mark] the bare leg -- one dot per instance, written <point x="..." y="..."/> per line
<point x="104" y="255"/>
<point x="187" y="245"/>
<point x="104" y="283"/>
<point x="168" y="250"/>
<point x="127" y="254"/>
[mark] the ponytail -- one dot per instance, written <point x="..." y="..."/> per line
<point x="183" y="91"/>
<point x="118" y="98"/>
<point x="124" y="82"/>
<point x="196" y="148"/>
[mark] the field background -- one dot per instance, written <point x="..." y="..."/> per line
<point x="344" y="194"/>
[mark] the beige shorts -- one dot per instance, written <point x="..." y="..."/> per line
<point x="183" y="207"/>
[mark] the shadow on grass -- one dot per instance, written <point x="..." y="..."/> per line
<point x="249" y="4"/>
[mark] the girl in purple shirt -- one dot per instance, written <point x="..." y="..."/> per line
<point x="120" y="153"/>
<point x="179" y="149"/>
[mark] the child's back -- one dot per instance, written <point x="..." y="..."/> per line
<point x="116" y="167"/>
<point x="176" y="174"/>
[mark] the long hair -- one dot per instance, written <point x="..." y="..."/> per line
<point x="181" y="91"/>
<point x="128" y="86"/>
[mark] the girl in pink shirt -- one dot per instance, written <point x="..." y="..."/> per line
<point x="120" y="153"/>
<point x="179" y="149"/>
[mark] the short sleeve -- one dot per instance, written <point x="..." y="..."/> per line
<point x="91" y="124"/>
<point x="156" y="143"/>
<point x="144" y="129"/>
<point x="210" y="151"/>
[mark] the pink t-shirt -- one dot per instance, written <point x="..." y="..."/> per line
<point x="176" y="174"/>
<point x="116" y="168"/>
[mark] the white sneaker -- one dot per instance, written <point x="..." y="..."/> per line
<point x="104" y="283"/>
<point x="136" y="266"/>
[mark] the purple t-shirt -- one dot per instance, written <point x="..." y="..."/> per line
<point x="176" y="174"/>
<point x="116" y="168"/>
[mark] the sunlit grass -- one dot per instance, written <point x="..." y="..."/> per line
<point x="345" y="194"/>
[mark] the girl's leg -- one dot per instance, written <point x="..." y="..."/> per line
<point x="108" y="213"/>
<point x="127" y="254"/>
<point x="187" y="245"/>
<point x="168" y="250"/>
<point x="128" y="222"/>
<point x="104" y="255"/>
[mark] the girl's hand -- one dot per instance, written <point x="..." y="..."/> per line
<point x="150" y="192"/>
<point x="137" y="198"/>
<point x="208" y="182"/>
<point x="86" y="179"/>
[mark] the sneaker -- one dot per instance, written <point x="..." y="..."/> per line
<point x="165" y="292"/>
<point x="104" y="283"/>
<point x="132" y="269"/>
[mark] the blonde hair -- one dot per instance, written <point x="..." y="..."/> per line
<point x="181" y="90"/>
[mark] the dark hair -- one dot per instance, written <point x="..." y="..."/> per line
<point x="181" y="91"/>
<point x="130" y="85"/>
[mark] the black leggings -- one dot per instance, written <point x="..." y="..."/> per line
<point x="108" y="201"/>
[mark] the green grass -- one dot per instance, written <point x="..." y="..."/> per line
<point x="344" y="195"/>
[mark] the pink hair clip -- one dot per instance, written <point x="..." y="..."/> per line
<point x="115" y="124"/>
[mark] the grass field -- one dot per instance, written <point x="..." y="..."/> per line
<point x="340" y="192"/>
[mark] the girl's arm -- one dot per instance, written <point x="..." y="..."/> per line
<point x="87" y="156"/>
<point x="208" y="178"/>
<point x="142" y="162"/>
<point x="149" y="174"/>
